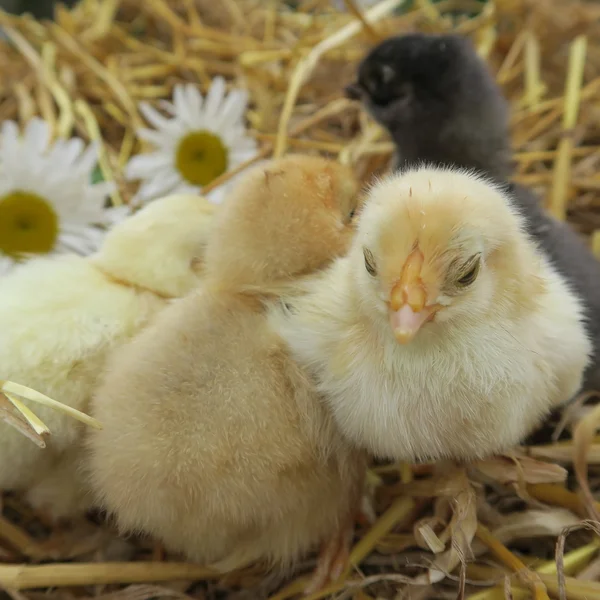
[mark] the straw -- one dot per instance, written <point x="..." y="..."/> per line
<point x="21" y="577"/>
<point x="34" y="396"/>
<point x="88" y="71"/>
<point x="558" y="198"/>
<point x="306" y="65"/>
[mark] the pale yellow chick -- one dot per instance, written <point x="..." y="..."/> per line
<point x="61" y="317"/>
<point x="444" y="333"/>
<point x="214" y="441"/>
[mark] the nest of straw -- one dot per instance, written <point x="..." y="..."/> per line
<point x="513" y="526"/>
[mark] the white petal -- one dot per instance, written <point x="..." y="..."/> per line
<point x="157" y="138"/>
<point x="188" y="188"/>
<point x="167" y="107"/>
<point x="234" y="108"/>
<point x="54" y="156"/>
<point x="37" y="136"/>
<point x="194" y="99"/>
<point x="145" y="165"/>
<point x="80" y="242"/>
<point x="116" y="214"/>
<point x="72" y="149"/>
<point x="88" y="159"/>
<point x="244" y="144"/>
<point x="159" y="186"/>
<point x="6" y="264"/>
<point x="9" y="130"/>
<point x="214" y="98"/>
<point x="173" y="127"/>
<point x="94" y="236"/>
<point x="181" y="106"/>
<point x="9" y="136"/>
<point x="153" y="116"/>
<point x="5" y="186"/>
<point x="13" y="169"/>
<point x="103" y="189"/>
<point x="67" y="203"/>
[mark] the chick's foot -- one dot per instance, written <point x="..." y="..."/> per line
<point x="366" y="514"/>
<point x="332" y="560"/>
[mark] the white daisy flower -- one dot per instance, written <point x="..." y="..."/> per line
<point x="204" y="138"/>
<point x="47" y="203"/>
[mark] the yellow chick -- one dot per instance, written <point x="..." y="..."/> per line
<point x="61" y="317"/>
<point x="444" y="333"/>
<point x="214" y="441"/>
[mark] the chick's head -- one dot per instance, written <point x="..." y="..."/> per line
<point x="410" y="76"/>
<point x="284" y="218"/>
<point x="161" y="247"/>
<point x="437" y="247"/>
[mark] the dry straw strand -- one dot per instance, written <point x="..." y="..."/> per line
<point x="91" y="68"/>
<point x="22" y="577"/>
<point x="34" y="396"/>
<point x="560" y="185"/>
<point x="307" y="65"/>
<point x="513" y="562"/>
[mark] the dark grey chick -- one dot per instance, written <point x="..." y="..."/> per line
<point x="441" y="104"/>
<point x="438" y="100"/>
<point x="569" y="254"/>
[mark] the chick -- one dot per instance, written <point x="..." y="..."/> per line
<point x="214" y="441"/>
<point x="444" y="333"/>
<point x="61" y="317"/>
<point x="570" y="256"/>
<point x="440" y="103"/>
<point x="438" y="100"/>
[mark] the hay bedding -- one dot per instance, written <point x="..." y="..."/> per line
<point x="511" y="527"/>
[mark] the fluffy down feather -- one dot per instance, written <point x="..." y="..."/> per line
<point x="214" y="440"/>
<point x="438" y="100"/>
<point x="61" y="317"/>
<point x="441" y="104"/>
<point x="445" y="333"/>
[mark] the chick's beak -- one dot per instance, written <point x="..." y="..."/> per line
<point x="353" y="91"/>
<point x="408" y="310"/>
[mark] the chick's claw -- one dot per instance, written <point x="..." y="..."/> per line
<point x="332" y="561"/>
<point x="366" y="514"/>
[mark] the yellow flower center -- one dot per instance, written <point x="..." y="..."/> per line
<point x="201" y="157"/>
<point x="28" y="224"/>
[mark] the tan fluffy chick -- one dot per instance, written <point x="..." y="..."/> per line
<point x="444" y="333"/>
<point x="214" y="441"/>
<point x="61" y="317"/>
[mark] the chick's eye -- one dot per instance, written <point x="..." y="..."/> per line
<point x="471" y="274"/>
<point x="387" y="74"/>
<point x="370" y="262"/>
